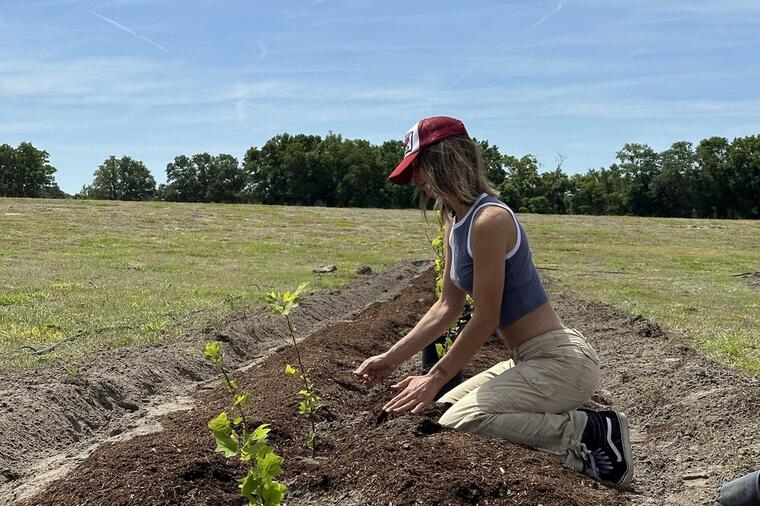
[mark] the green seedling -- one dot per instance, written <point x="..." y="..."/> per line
<point x="442" y="348"/>
<point x="437" y="244"/>
<point x="282" y="303"/>
<point x="234" y="439"/>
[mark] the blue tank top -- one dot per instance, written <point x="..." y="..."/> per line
<point x="523" y="289"/>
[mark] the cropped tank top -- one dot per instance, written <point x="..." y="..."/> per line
<point x="523" y="289"/>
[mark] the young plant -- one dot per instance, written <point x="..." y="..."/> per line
<point x="438" y="248"/>
<point x="442" y="348"/>
<point x="437" y="244"/>
<point x="234" y="439"/>
<point x="282" y="303"/>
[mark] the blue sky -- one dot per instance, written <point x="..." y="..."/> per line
<point x="152" y="79"/>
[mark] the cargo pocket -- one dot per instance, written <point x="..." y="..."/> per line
<point x="538" y="381"/>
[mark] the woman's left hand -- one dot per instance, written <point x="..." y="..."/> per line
<point x="417" y="392"/>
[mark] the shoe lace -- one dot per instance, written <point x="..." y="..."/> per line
<point x="598" y="464"/>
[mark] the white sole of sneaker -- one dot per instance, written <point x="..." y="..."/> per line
<point x="628" y="454"/>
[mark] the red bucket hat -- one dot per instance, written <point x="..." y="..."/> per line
<point x="424" y="133"/>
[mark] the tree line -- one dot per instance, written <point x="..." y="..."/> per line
<point x="716" y="178"/>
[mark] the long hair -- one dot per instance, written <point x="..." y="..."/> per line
<point x="456" y="174"/>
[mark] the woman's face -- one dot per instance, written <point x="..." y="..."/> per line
<point x="420" y="178"/>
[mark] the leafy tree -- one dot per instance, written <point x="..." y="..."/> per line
<point x="270" y="172"/>
<point x="673" y="188"/>
<point x="589" y="197"/>
<point x="639" y="165"/>
<point x="26" y="172"/>
<point x="182" y="183"/>
<point x="121" y="179"/>
<point x="716" y="177"/>
<point x="7" y="169"/>
<point x="493" y="161"/>
<point x="744" y="158"/>
<point x="204" y="178"/>
<point x="522" y="183"/>
<point x="558" y="189"/>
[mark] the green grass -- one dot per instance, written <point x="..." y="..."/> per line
<point x="161" y="267"/>
<point x="158" y="268"/>
<point x="677" y="272"/>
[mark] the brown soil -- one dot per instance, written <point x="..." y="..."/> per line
<point x="694" y="426"/>
<point x="49" y="419"/>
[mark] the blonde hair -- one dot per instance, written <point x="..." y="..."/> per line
<point x="455" y="172"/>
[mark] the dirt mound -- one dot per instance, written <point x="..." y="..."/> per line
<point x="694" y="426"/>
<point x="644" y="327"/>
<point x="694" y="423"/>
<point x="361" y="458"/>
<point x="752" y="279"/>
<point x="48" y="417"/>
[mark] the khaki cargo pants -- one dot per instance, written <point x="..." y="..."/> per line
<point x="531" y="399"/>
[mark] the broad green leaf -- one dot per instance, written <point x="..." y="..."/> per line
<point x="227" y="445"/>
<point x="261" y="432"/>
<point x="237" y="420"/>
<point x="219" y="423"/>
<point x="439" y="350"/>
<point x="273" y="493"/>
<point x="250" y="450"/>
<point x="250" y="483"/>
<point x="290" y="370"/>
<point x="226" y="438"/>
<point x="212" y="349"/>
<point x="242" y="400"/>
<point x="269" y="465"/>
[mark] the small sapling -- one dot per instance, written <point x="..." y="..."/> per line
<point x="282" y="303"/>
<point x="234" y="439"/>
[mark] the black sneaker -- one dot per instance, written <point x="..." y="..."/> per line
<point x="606" y="437"/>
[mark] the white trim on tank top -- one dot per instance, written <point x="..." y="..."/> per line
<point x="457" y="223"/>
<point x="511" y="252"/>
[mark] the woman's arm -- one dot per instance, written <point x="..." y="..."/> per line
<point x="492" y="232"/>
<point x="438" y="319"/>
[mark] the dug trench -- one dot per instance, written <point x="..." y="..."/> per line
<point x="694" y="426"/>
<point x="52" y="418"/>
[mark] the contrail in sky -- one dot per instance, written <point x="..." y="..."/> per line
<point x="555" y="11"/>
<point x="477" y="64"/>
<point x="130" y="31"/>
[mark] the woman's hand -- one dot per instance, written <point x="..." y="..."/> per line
<point x="416" y="393"/>
<point x="375" y="369"/>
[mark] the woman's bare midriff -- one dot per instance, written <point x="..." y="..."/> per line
<point x="541" y="320"/>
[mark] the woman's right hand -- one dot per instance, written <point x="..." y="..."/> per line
<point x="374" y="369"/>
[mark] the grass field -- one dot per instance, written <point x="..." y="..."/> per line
<point x="680" y="273"/>
<point x="136" y="272"/>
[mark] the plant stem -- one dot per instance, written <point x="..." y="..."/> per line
<point x="234" y="391"/>
<point x="298" y="355"/>
<point x="305" y="379"/>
